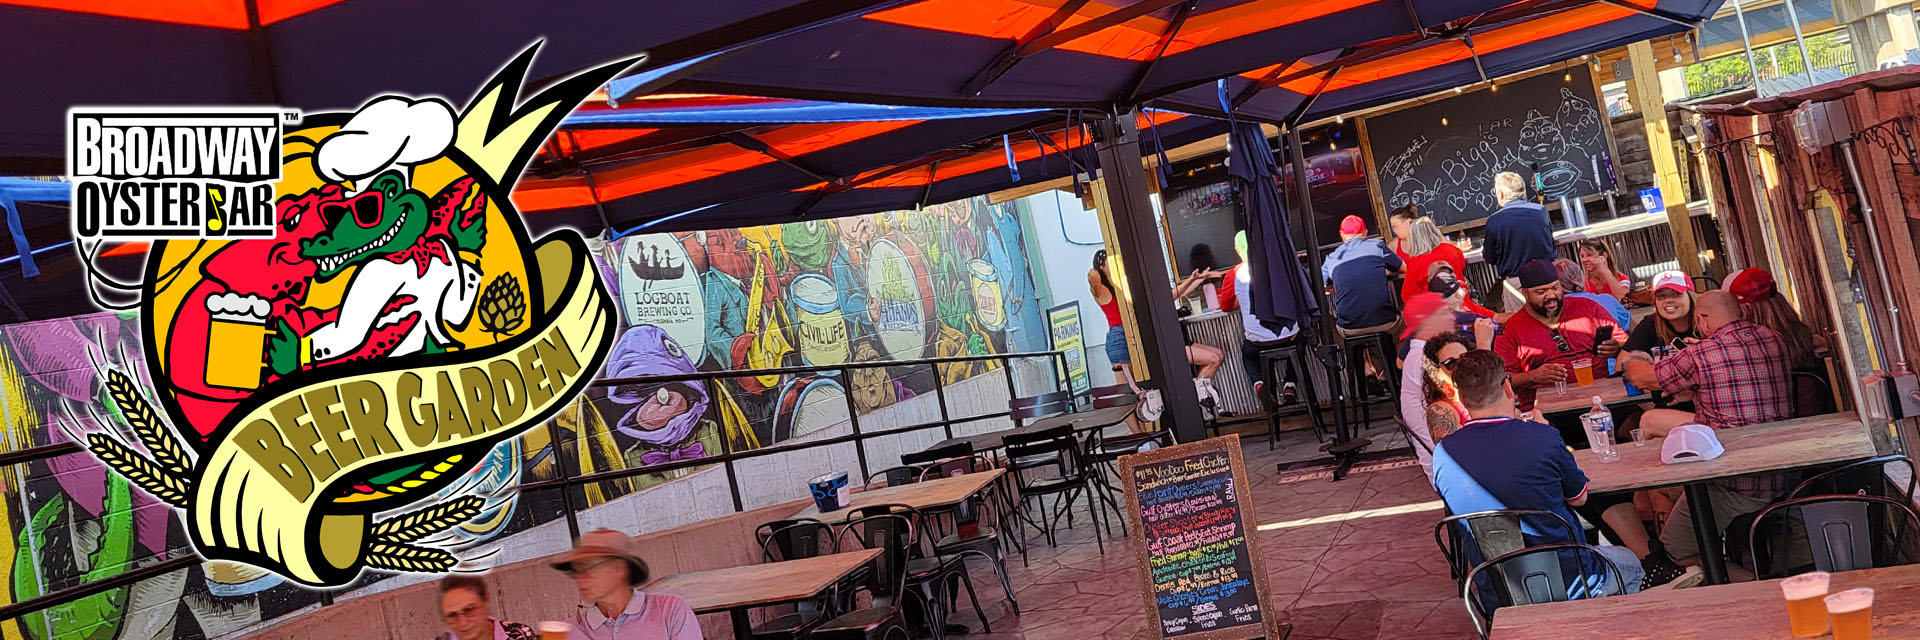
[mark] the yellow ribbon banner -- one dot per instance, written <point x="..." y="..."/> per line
<point x="273" y="491"/>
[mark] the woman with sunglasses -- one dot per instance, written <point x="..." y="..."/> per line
<point x="468" y="613"/>
<point x="1426" y="399"/>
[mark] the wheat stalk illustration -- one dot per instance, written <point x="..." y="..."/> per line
<point x="400" y="557"/>
<point x="147" y="424"/>
<point x="428" y="521"/>
<point x="166" y="475"/>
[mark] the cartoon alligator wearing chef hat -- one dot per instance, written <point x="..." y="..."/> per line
<point x="410" y="281"/>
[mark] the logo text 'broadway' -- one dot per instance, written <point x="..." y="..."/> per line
<point x="154" y="173"/>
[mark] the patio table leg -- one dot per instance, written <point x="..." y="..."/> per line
<point x="1707" y="533"/>
<point x="742" y="628"/>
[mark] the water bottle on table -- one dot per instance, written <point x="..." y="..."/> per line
<point x="1599" y="427"/>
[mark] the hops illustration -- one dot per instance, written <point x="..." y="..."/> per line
<point x="502" y="306"/>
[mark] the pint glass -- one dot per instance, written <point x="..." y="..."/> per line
<point x="552" y="630"/>
<point x="1583" y="371"/>
<point x="1806" y="613"/>
<point x="1851" y="613"/>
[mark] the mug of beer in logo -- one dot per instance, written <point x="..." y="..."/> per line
<point x="816" y="315"/>
<point x="989" y="302"/>
<point x="236" y="340"/>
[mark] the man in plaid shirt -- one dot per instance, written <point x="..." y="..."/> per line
<point x="1738" y="376"/>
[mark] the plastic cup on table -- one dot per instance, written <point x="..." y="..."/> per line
<point x="1639" y="437"/>
<point x="1806" y="612"/>
<point x="1850" y="613"/>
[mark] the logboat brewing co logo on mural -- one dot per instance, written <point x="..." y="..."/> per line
<point x="152" y="173"/>
<point x="321" y="389"/>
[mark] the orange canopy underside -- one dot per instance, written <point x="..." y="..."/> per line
<point x="224" y="14"/>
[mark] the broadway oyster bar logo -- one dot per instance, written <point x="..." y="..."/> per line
<point x="395" y="321"/>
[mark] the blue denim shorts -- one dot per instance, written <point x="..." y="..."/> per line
<point x="1117" y="345"/>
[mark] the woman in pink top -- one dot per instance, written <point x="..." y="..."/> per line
<point x="608" y="574"/>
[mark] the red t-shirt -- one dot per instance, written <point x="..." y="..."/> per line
<point x="1223" y="292"/>
<point x="1600" y="285"/>
<point x="1418" y="268"/>
<point x="1526" y="344"/>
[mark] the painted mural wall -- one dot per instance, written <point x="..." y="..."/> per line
<point x="949" y="280"/>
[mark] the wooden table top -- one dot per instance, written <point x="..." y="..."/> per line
<point x="1612" y="392"/>
<point x="1742" y="611"/>
<point x="931" y="494"/>
<point x="757" y="585"/>
<point x="1080" y="421"/>
<point x="1750" y="450"/>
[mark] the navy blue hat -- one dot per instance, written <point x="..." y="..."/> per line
<point x="1537" y="273"/>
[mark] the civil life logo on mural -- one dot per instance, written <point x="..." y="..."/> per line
<point x="395" y="325"/>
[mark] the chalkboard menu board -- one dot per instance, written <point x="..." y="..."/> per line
<point x="1201" y="574"/>
<point x="1442" y="155"/>
<point x="1206" y="214"/>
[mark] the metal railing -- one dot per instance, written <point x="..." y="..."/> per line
<point x="566" y="480"/>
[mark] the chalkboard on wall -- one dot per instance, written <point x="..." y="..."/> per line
<point x="1441" y="156"/>
<point x="1206" y="214"/>
<point x="1201" y="573"/>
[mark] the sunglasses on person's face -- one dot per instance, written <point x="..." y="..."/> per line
<point x="1449" y="362"/>
<point x="580" y="569"/>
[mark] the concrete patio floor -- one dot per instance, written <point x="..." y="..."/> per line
<point x="1348" y="560"/>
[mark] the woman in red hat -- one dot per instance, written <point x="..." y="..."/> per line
<point x="1762" y="303"/>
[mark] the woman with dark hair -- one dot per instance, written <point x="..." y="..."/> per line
<point x="1671" y="324"/>
<point x="608" y="574"/>
<point x="1206" y="357"/>
<point x="1762" y="303"/>
<point x="1603" y="273"/>
<point x="467" y="611"/>
<point x="1427" y="402"/>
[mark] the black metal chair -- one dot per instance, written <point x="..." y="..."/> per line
<point x="886" y="582"/>
<point x="1040" y="406"/>
<point x="1114" y="395"/>
<point x="930" y="573"/>
<point x="1538" y="578"/>
<point x="1841" y="529"/>
<point x="1073" y="475"/>
<point x="1866" y="476"/>
<point x="970" y="537"/>
<point x="1491" y="533"/>
<point x="1103" y="455"/>
<point x="1812" y="395"/>
<point x="783" y="540"/>
<point x="896" y="476"/>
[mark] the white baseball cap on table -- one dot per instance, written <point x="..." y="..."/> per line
<point x="1690" y="443"/>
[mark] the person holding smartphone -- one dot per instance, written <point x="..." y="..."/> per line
<point x="1550" y="332"/>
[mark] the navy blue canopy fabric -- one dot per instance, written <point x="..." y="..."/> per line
<point x="1282" y="294"/>
<point x="702" y="161"/>
<point x="333" y="54"/>
<point x="1102" y="54"/>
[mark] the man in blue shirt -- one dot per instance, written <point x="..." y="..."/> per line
<point x="1357" y="269"/>
<point x="1499" y="461"/>
<point x="1516" y="234"/>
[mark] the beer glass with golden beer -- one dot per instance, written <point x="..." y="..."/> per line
<point x="1805" y="611"/>
<point x="1583" y="372"/>
<point x="1851" y="613"/>
<point x="552" y="630"/>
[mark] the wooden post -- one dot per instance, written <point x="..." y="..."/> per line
<point x="1647" y="99"/>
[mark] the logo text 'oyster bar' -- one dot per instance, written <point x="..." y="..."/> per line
<point x="152" y="173"/>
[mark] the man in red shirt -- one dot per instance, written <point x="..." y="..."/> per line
<point x="1550" y="331"/>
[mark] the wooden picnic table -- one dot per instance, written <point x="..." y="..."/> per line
<point x="1744" y="611"/>
<point x="737" y="589"/>
<point x="1079" y="421"/>
<point x="925" y="496"/>
<point x="1750" y="450"/>
<point x="1612" y="392"/>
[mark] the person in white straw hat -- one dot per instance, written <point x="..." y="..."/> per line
<point x="608" y="573"/>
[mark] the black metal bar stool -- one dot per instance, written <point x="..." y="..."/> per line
<point x="1357" y="348"/>
<point x="1292" y="353"/>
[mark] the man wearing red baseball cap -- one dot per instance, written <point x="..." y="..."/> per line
<point x="1357" y="270"/>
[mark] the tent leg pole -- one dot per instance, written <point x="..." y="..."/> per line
<point x="1143" y="259"/>
<point x="1345" y="447"/>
